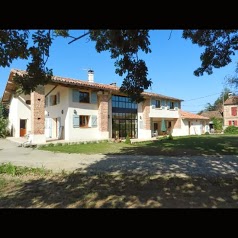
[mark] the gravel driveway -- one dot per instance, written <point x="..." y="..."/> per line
<point x="193" y="165"/>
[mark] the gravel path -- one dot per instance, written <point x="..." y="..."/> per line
<point x="193" y="165"/>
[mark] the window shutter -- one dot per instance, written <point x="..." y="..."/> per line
<point x="141" y="124"/>
<point x="94" y="98"/>
<point x="153" y="103"/>
<point x="76" y="121"/>
<point x="175" y="104"/>
<point x="75" y="95"/>
<point x="163" y="103"/>
<point x="58" y="98"/>
<point x="230" y="123"/>
<point x="94" y="121"/>
<point x="46" y="101"/>
<point x="234" y="111"/>
<point x="235" y="123"/>
<point x="51" y="100"/>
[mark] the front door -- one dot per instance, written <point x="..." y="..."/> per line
<point x="22" y="127"/>
<point x="155" y="131"/>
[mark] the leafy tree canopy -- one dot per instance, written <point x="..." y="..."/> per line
<point x="124" y="45"/>
<point x="219" y="46"/>
<point x="34" y="46"/>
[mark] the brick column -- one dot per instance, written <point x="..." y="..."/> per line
<point x="103" y="112"/>
<point x="38" y="115"/>
<point x="146" y="111"/>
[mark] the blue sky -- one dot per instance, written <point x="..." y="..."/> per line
<point x="170" y="66"/>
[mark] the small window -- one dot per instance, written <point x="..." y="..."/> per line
<point x="157" y="104"/>
<point x="84" y="121"/>
<point x="171" y="105"/>
<point x="28" y="102"/>
<point x="84" y="97"/>
<point x="234" y="111"/>
<point x="52" y="100"/>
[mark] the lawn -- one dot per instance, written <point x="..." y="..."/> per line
<point x="188" y="145"/>
<point x="34" y="189"/>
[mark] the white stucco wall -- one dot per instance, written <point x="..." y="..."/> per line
<point x="196" y="128"/>
<point x="18" y="109"/>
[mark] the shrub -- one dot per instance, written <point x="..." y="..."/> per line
<point x="3" y="127"/>
<point x="128" y="140"/>
<point x="170" y="137"/>
<point x="206" y="133"/>
<point x="231" y="130"/>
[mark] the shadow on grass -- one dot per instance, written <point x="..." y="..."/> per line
<point x="189" y="145"/>
<point x="133" y="182"/>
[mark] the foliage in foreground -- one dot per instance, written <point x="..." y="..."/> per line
<point x="3" y="127"/>
<point x="231" y="130"/>
<point x="10" y="169"/>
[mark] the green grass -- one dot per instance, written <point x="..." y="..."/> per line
<point x="10" y="169"/>
<point x="187" y="145"/>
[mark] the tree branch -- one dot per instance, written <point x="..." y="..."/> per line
<point x="79" y="37"/>
<point x="170" y="34"/>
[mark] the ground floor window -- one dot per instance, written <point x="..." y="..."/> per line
<point x="124" y="124"/>
<point x="84" y="121"/>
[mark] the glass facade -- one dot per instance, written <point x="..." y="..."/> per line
<point x="124" y="117"/>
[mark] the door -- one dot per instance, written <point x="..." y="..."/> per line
<point x="48" y="128"/>
<point x="22" y="127"/>
<point x="189" y="125"/>
<point x="155" y="131"/>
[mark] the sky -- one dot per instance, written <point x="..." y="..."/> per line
<point x="170" y="67"/>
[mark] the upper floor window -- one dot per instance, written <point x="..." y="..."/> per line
<point x="157" y="104"/>
<point x="83" y="97"/>
<point x="171" y="105"/>
<point x="234" y="111"/>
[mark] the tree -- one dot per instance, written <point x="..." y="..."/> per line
<point x="218" y="104"/>
<point x="123" y="45"/>
<point x="220" y="46"/>
<point x="3" y="110"/>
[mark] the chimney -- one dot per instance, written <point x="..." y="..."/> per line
<point x="113" y="84"/>
<point x="90" y="76"/>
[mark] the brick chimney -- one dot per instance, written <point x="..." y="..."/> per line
<point x="90" y="76"/>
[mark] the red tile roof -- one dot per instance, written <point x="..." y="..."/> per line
<point x="232" y="100"/>
<point x="189" y="115"/>
<point x="77" y="82"/>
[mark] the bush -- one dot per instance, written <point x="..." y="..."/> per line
<point x="231" y="130"/>
<point x="128" y="140"/>
<point x="3" y="127"/>
<point x="170" y="137"/>
<point x="206" y="133"/>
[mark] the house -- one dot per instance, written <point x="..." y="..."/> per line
<point x="230" y="111"/>
<point x="81" y="110"/>
<point x="211" y="115"/>
<point x="193" y="124"/>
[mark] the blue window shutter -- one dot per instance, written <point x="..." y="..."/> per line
<point x="176" y="104"/>
<point x="153" y="103"/>
<point x="94" y="121"/>
<point x="58" y="98"/>
<point x="76" y="121"/>
<point x="75" y="95"/>
<point x="163" y="103"/>
<point x="94" y="97"/>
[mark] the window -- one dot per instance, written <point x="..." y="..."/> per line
<point x="84" y="121"/>
<point x="52" y="100"/>
<point x="171" y="105"/>
<point x="28" y="102"/>
<point x="234" y="111"/>
<point x="84" y="97"/>
<point x="157" y="104"/>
